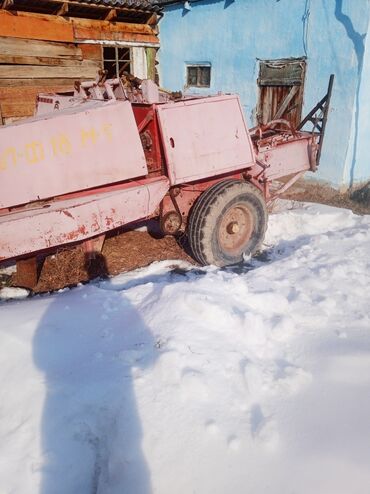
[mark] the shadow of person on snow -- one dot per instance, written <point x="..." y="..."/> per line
<point x="91" y="344"/>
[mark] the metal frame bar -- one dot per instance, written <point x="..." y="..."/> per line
<point x="318" y="117"/>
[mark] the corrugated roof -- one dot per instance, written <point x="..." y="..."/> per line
<point x="137" y="11"/>
<point x="169" y="2"/>
<point x="130" y="4"/>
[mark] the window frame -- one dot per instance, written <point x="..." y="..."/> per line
<point x="117" y="61"/>
<point x="199" y="66"/>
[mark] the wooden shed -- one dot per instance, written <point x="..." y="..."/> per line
<point x="46" y="45"/>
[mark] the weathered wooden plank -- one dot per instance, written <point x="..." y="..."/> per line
<point x="91" y="52"/>
<point x="35" y="26"/>
<point x="87" y="69"/>
<point x="36" y="48"/>
<point x="41" y="83"/>
<point x="22" y="60"/>
<point x="55" y="28"/>
<point x="150" y="60"/>
<point x="30" y="92"/>
<point x="63" y="9"/>
<point x="107" y="35"/>
<point x="119" y="31"/>
<point x="7" y="121"/>
<point x="112" y="15"/>
<point x="21" y="101"/>
<point x="17" y="108"/>
<point x="26" y="274"/>
<point x="118" y="27"/>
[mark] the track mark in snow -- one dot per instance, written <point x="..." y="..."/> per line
<point x="272" y="378"/>
<point x="263" y="428"/>
<point x="211" y="427"/>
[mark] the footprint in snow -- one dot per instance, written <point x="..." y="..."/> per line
<point x="211" y="427"/>
<point x="263" y="428"/>
<point x="279" y="377"/>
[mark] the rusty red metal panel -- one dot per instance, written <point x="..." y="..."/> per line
<point x="75" y="149"/>
<point x="204" y="137"/>
<point x="78" y="219"/>
<point x="150" y="137"/>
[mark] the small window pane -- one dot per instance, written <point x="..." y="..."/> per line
<point x="111" y="67"/>
<point x="205" y="76"/>
<point x="124" y="54"/>
<point x="192" y="76"/>
<point x="199" y="75"/>
<point x="109" y="53"/>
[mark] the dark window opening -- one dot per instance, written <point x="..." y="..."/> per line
<point x="281" y="86"/>
<point x="199" y="75"/>
<point x="116" y="60"/>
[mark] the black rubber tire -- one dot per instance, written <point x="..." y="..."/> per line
<point x="206" y="220"/>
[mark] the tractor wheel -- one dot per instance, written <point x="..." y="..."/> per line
<point x="228" y="221"/>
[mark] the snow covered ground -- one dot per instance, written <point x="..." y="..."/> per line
<point x="184" y="381"/>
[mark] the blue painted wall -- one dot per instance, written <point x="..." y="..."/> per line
<point x="358" y="159"/>
<point x="231" y="36"/>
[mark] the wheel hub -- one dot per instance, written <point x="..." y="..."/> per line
<point x="171" y="223"/>
<point x="235" y="229"/>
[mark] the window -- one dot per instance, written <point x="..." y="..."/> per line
<point x="198" y="75"/>
<point x="116" y="59"/>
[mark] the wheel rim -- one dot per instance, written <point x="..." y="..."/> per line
<point x="235" y="229"/>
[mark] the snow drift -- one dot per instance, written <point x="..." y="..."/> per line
<point x="171" y="379"/>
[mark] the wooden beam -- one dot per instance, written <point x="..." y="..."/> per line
<point x="35" y="26"/>
<point x="119" y="31"/>
<point x="63" y="9"/>
<point x="153" y="20"/>
<point x="153" y="23"/>
<point x="6" y="4"/>
<point x="56" y="28"/>
<point x="91" y="52"/>
<point x="111" y="16"/>
<point x="27" y="272"/>
<point x="119" y="27"/>
<point x="285" y="103"/>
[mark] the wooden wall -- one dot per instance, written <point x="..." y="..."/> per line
<point x="40" y="53"/>
<point x="30" y="66"/>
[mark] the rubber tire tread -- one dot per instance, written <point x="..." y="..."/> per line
<point x="197" y="214"/>
<point x="202" y="208"/>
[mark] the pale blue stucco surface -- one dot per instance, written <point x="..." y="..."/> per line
<point x="233" y="35"/>
<point x="358" y="161"/>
